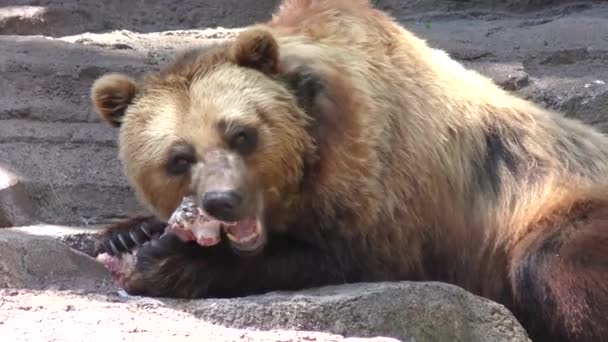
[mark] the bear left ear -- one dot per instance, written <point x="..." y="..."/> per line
<point x="256" y="48"/>
<point x="111" y="95"/>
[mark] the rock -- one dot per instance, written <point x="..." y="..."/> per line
<point x="15" y="207"/>
<point x="63" y="18"/>
<point x="39" y="262"/>
<point x="81" y="239"/>
<point x="509" y="76"/>
<point x="407" y="311"/>
<point x="65" y="159"/>
<point x="555" y="57"/>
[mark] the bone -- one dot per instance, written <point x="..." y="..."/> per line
<point x="190" y="223"/>
<point x="120" y="268"/>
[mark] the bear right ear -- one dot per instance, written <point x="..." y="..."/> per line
<point x="111" y="95"/>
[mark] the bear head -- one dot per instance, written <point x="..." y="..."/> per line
<point x="228" y="125"/>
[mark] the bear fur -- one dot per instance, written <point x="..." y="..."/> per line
<point x="375" y="158"/>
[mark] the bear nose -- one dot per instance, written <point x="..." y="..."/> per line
<point x="222" y="205"/>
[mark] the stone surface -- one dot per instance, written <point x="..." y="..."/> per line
<point x="68" y="17"/>
<point x="79" y="238"/>
<point x="407" y="311"/>
<point x="42" y="262"/>
<point x="15" y="206"/>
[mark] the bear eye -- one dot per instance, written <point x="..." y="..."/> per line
<point x="244" y="140"/>
<point x="180" y="161"/>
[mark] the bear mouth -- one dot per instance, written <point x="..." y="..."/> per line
<point x="246" y="236"/>
<point x="190" y="223"/>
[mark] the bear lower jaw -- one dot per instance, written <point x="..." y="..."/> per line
<point x="247" y="237"/>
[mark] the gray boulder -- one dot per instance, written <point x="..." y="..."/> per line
<point x="42" y="262"/>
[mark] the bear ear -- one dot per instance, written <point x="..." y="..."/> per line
<point x="256" y="48"/>
<point x="111" y="95"/>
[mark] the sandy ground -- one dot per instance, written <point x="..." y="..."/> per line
<point x="72" y="316"/>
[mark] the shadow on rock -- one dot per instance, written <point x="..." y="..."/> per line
<point x="64" y="158"/>
<point x="42" y="263"/>
<point x="408" y="311"/>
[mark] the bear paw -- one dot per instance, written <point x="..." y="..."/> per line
<point x="127" y="235"/>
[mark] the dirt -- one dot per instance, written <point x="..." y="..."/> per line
<point x="73" y="316"/>
<point x="60" y="176"/>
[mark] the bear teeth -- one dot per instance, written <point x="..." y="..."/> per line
<point x="249" y="238"/>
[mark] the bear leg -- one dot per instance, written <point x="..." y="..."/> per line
<point x="559" y="277"/>
<point x="170" y="267"/>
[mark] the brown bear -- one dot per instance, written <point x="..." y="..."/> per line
<point x="333" y="146"/>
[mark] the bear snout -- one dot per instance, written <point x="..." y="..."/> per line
<point x="223" y="205"/>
